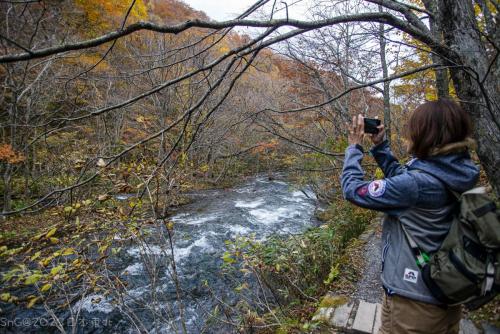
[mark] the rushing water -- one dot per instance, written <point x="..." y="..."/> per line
<point x="261" y="206"/>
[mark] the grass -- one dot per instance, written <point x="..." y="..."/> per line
<point x="299" y="270"/>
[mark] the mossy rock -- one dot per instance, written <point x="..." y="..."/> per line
<point x="333" y="301"/>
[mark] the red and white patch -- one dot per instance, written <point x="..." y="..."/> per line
<point x="362" y="191"/>
<point x="376" y="188"/>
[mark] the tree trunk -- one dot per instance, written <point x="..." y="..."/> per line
<point x="7" y="190"/>
<point x="476" y="84"/>
<point x="435" y="25"/>
<point x="385" y="72"/>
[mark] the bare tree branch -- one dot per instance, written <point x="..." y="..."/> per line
<point x="368" y="84"/>
<point x="410" y="28"/>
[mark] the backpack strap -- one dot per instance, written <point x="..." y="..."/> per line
<point x="422" y="260"/>
<point x="481" y="211"/>
<point x="453" y="192"/>
<point x="421" y="257"/>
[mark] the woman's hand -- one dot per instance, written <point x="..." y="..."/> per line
<point x="356" y="130"/>
<point x="379" y="137"/>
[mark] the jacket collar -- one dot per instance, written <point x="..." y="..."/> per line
<point x="457" y="147"/>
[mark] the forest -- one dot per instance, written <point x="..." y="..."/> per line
<point x="124" y="122"/>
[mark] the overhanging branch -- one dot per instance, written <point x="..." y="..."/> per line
<point x="384" y="17"/>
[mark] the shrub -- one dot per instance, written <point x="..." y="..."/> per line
<point x="300" y="268"/>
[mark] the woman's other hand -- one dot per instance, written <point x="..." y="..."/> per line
<point x="379" y="137"/>
<point x="356" y="130"/>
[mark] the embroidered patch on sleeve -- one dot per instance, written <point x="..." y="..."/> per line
<point x="410" y="275"/>
<point x="362" y="191"/>
<point x="376" y="188"/>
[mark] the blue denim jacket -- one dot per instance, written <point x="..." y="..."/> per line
<point x="416" y="195"/>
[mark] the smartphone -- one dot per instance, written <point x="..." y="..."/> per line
<point x="371" y="125"/>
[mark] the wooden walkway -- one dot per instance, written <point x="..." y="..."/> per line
<point x="359" y="316"/>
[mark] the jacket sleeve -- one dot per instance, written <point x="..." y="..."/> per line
<point x="386" y="160"/>
<point x="388" y="195"/>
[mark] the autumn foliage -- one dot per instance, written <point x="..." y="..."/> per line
<point x="8" y="155"/>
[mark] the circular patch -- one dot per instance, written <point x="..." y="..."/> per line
<point x="376" y="188"/>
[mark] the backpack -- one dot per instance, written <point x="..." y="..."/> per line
<point x="466" y="267"/>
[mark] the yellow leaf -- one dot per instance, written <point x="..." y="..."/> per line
<point x="5" y="297"/>
<point x="68" y="251"/>
<point x="35" y="256"/>
<point x="54" y="240"/>
<point x="46" y="262"/>
<point x="103" y="249"/>
<point x="51" y="233"/>
<point x="46" y="287"/>
<point x="13" y="251"/>
<point x="32" y="302"/>
<point x="226" y="257"/>
<point x="241" y="287"/>
<point x="56" y="270"/>
<point x="32" y="279"/>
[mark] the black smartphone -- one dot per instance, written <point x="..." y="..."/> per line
<point x="371" y="125"/>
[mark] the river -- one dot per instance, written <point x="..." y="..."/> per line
<point x="260" y="207"/>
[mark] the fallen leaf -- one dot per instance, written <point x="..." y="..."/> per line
<point x="101" y="163"/>
<point x="32" y="302"/>
<point x="51" y="232"/>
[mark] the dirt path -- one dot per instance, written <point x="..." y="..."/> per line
<point x="369" y="287"/>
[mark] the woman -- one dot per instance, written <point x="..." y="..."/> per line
<point x="418" y="195"/>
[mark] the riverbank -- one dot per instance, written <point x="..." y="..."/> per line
<point x="297" y="271"/>
<point x="354" y="274"/>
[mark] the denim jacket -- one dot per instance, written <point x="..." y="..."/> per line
<point x="416" y="195"/>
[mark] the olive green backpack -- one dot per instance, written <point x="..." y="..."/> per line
<point x="466" y="268"/>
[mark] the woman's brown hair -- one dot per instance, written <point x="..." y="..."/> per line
<point x="435" y="124"/>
